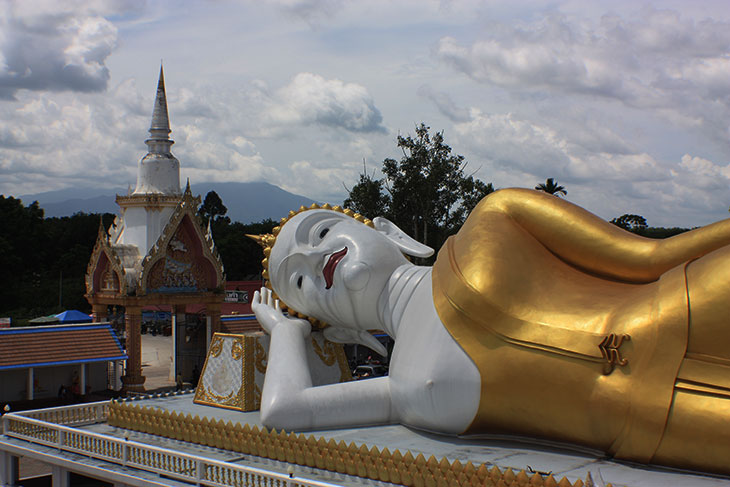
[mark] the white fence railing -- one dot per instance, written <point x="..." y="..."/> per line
<point x="48" y="427"/>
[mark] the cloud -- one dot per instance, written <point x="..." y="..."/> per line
<point x="504" y="140"/>
<point x="657" y="61"/>
<point x="311" y="11"/>
<point x="510" y="143"/>
<point x="312" y="99"/>
<point x="693" y="189"/>
<point x="55" y="140"/>
<point x="330" y="177"/>
<point x="445" y="104"/>
<point x="55" y="46"/>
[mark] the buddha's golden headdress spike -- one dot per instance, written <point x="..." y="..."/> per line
<point x="259" y="239"/>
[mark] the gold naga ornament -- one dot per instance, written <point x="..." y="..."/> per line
<point x="267" y="241"/>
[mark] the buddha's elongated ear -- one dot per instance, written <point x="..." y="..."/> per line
<point x="337" y="334"/>
<point x="406" y="244"/>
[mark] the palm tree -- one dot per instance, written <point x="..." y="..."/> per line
<point x="551" y="186"/>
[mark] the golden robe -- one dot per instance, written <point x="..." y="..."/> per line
<point x="586" y="333"/>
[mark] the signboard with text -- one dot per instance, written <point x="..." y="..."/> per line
<point x="237" y="297"/>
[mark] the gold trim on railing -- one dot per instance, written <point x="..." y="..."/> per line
<point x="310" y="451"/>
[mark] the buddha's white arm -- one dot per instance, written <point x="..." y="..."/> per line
<point x="290" y="401"/>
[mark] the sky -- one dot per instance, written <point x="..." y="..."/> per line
<point x="626" y="104"/>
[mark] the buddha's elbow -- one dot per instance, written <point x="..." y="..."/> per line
<point x="285" y="413"/>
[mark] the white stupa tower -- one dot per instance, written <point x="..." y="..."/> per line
<point x="146" y="210"/>
<point x="159" y="170"/>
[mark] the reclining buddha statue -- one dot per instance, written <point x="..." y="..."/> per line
<point x="537" y="319"/>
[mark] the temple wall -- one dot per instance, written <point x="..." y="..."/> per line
<point x="142" y="226"/>
<point x="48" y="380"/>
<point x="135" y="228"/>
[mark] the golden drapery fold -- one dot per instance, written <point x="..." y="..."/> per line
<point x="580" y="330"/>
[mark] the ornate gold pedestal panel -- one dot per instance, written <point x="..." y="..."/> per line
<point x="233" y="374"/>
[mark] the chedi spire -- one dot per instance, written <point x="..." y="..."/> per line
<point x="159" y="170"/>
<point x="160" y="127"/>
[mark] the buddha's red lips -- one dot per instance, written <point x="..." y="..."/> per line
<point x="329" y="267"/>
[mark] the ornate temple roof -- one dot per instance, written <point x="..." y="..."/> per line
<point x="184" y="251"/>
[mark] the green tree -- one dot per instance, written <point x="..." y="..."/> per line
<point x="241" y="256"/>
<point x="212" y="207"/>
<point x="551" y="186"/>
<point x="426" y="192"/>
<point x="368" y="197"/>
<point x="632" y="223"/>
<point x="637" y="224"/>
<point x="46" y="257"/>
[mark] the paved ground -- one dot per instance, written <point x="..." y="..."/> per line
<point x="157" y="362"/>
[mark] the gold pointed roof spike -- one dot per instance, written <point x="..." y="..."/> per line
<point x="260" y="239"/>
<point x="102" y="231"/>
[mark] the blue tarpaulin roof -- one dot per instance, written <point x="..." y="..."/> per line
<point x="73" y="316"/>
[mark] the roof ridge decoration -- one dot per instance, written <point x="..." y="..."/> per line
<point x="103" y="245"/>
<point x="186" y="207"/>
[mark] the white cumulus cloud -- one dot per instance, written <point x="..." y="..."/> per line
<point x="55" y="46"/>
<point x="657" y="60"/>
<point x="312" y="99"/>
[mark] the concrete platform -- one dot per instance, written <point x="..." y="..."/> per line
<point x="516" y="453"/>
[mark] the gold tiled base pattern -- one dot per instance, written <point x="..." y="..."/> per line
<point x="351" y="459"/>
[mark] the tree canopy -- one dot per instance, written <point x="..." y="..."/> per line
<point x="550" y="186"/>
<point x="427" y="192"/>
<point x="630" y="222"/>
<point x="637" y="224"/>
<point x="212" y="207"/>
<point x="44" y="259"/>
<point x="241" y="256"/>
<point x="368" y="196"/>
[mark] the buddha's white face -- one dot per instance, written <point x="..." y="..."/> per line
<point x="329" y="266"/>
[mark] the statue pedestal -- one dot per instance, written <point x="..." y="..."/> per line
<point x="234" y="370"/>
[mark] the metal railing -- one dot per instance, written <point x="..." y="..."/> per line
<point x="49" y="427"/>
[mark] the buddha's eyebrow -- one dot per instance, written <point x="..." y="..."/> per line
<point x="301" y="235"/>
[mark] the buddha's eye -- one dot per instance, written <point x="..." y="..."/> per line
<point x="323" y="233"/>
<point x="299" y="282"/>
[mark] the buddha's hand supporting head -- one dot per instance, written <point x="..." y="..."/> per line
<point x="269" y="314"/>
<point x="332" y="267"/>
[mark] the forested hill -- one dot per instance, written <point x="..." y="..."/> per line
<point x="246" y="202"/>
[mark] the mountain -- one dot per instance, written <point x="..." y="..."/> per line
<point x="246" y="202"/>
